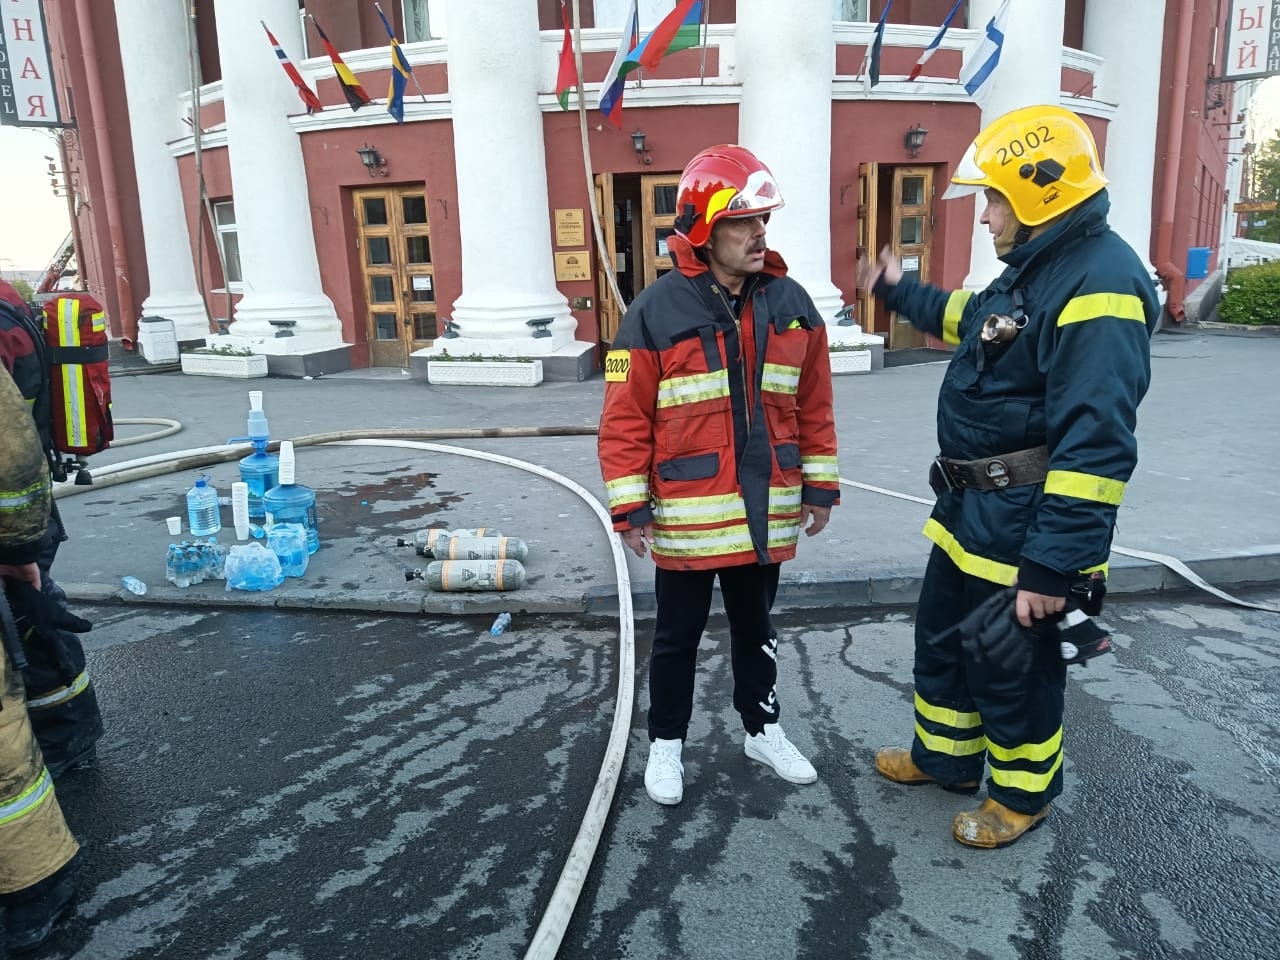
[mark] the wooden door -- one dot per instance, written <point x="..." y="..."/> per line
<point x="609" y="313"/>
<point x="394" y="241"/>
<point x="868" y="185"/>
<point x="912" y="237"/>
<point x="657" y="222"/>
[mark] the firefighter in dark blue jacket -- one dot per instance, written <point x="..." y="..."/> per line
<point x="1036" y="418"/>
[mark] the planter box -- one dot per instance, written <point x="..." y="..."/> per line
<point x="221" y="365"/>
<point x="486" y="373"/>
<point x="850" y="361"/>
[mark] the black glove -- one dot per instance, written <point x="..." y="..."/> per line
<point x="993" y="637"/>
<point x="43" y="611"/>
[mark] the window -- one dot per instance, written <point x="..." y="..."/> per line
<point x="224" y="216"/>
<point x="854" y="11"/>
<point x="424" y="20"/>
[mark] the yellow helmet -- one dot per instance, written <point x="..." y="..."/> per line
<point x="1042" y="159"/>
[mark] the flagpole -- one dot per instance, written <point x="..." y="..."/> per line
<point x="606" y="259"/>
<point x="706" y="26"/>
<point x="412" y="76"/>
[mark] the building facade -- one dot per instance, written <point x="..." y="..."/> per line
<point x="206" y="194"/>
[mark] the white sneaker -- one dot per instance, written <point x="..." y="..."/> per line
<point x="773" y="748"/>
<point x="664" y="773"/>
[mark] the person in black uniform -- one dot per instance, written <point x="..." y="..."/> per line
<point x="1036" y="419"/>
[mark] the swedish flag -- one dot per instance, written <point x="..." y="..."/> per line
<point x="400" y="72"/>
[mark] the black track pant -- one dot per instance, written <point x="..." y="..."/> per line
<point x="966" y="714"/>
<point x="684" y="603"/>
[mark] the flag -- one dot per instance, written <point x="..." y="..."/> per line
<point x="984" y="57"/>
<point x="401" y="70"/>
<point x="679" y="30"/>
<point x="871" y="63"/>
<point x="568" y="75"/>
<point x="933" y="45"/>
<point x="306" y="93"/>
<point x="615" y="79"/>
<point x="351" y="88"/>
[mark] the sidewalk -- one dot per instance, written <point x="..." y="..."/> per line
<point x="1203" y="492"/>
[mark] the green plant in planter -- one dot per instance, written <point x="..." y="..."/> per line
<point x="444" y="355"/>
<point x="847" y="347"/>
<point x="1252" y="296"/>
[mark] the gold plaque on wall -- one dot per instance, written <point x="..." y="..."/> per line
<point x="571" y="229"/>
<point x="574" y="265"/>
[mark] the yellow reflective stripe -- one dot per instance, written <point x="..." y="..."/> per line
<point x="784" y="499"/>
<point x="783" y="533"/>
<point x="99" y="322"/>
<point x="28" y="799"/>
<point x="1034" y="752"/>
<point x="61" y="695"/>
<point x="18" y="499"/>
<point x="691" y="389"/>
<point x="1084" y="486"/>
<point x="72" y="374"/>
<point x="702" y="543"/>
<point x="820" y="469"/>
<point x="1102" y="567"/>
<point x="780" y="378"/>
<point x="1091" y="306"/>
<point x="1022" y="780"/>
<point x="952" y="315"/>
<point x="952" y="748"/>
<point x="627" y="490"/>
<point x="694" y="510"/>
<point x="946" y="716"/>
<point x="970" y="563"/>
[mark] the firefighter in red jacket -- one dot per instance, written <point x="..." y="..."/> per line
<point x="718" y="445"/>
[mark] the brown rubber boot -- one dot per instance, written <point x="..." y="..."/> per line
<point x="895" y="763"/>
<point x="994" y="825"/>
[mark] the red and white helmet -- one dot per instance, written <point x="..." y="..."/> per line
<point x="722" y="181"/>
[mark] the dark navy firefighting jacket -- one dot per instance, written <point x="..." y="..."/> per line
<point x="1072" y="380"/>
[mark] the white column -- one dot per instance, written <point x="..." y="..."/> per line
<point x="269" y="181"/>
<point x="787" y="61"/>
<point x="153" y="45"/>
<point x="1131" y="80"/>
<point x="508" y="275"/>
<point x="1030" y="72"/>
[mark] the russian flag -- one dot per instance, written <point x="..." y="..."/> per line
<point x="611" y="96"/>
<point x="679" y="30"/>
<point x="937" y="40"/>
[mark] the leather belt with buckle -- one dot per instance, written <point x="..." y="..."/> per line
<point x="1018" y="469"/>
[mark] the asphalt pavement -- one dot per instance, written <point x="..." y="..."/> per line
<point x="1204" y="490"/>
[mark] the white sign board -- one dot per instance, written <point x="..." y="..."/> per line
<point x="28" y="90"/>
<point x="1253" y="40"/>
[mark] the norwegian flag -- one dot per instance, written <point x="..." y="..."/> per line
<point x="306" y="93"/>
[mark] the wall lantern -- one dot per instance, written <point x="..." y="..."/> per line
<point x="637" y="141"/>
<point x="373" y="161"/>
<point x="913" y="140"/>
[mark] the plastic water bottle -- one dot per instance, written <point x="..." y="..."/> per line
<point x="251" y="566"/>
<point x="175" y="567"/>
<point x="288" y="541"/>
<point x="215" y="558"/>
<point x="194" y="563"/>
<point x="500" y="624"/>
<point x="292" y="502"/>
<point x="260" y="471"/>
<point x="202" y="509"/>
<point x="134" y="585"/>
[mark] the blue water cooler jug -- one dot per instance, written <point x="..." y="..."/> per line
<point x="260" y="471"/>
<point x="292" y="502"/>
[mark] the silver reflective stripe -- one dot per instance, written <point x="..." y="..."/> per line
<point x="695" y="510"/>
<point x="784" y="499"/>
<point x="691" y="543"/>
<point x="29" y="799"/>
<point x="820" y="468"/>
<point x="691" y="389"/>
<point x="780" y="378"/>
<point x="77" y="687"/>
<point x="627" y="490"/>
<point x="18" y="499"/>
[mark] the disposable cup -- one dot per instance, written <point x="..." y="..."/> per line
<point x="175" y="525"/>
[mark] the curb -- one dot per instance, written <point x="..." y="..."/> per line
<point x="1129" y="578"/>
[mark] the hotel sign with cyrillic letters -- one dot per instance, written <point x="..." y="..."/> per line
<point x="28" y="91"/>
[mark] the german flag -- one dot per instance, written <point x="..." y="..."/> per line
<point x="351" y="88"/>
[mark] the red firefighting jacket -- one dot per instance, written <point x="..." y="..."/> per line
<point x="716" y="429"/>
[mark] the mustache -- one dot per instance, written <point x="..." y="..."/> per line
<point x="758" y="247"/>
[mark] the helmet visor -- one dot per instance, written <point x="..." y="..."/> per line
<point x="969" y="178"/>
